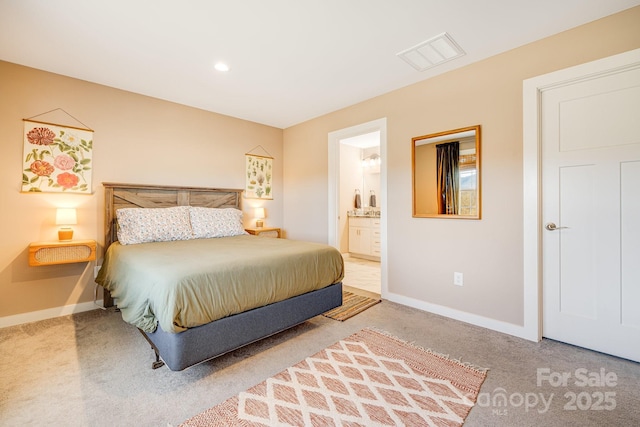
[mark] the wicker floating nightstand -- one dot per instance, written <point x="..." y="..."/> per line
<point x="49" y="253"/>
<point x="266" y="231"/>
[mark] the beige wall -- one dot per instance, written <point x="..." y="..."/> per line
<point x="424" y="253"/>
<point x="144" y="140"/>
<point x="350" y="179"/>
<point x="137" y="139"/>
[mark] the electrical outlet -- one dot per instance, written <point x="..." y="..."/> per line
<point x="96" y="269"/>
<point x="458" y="279"/>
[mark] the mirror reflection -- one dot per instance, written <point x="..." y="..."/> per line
<point x="446" y="174"/>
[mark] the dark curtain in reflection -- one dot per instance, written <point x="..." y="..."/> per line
<point x="448" y="177"/>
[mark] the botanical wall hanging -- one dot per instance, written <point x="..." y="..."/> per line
<point x="56" y="158"/>
<point x="259" y="175"/>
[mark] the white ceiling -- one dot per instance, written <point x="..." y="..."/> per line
<point x="291" y="60"/>
<point x="366" y="140"/>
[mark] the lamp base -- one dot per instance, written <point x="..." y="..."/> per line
<point x="65" y="234"/>
<point x="259" y="223"/>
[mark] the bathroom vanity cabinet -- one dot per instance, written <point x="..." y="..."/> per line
<point x="364" y="237"/>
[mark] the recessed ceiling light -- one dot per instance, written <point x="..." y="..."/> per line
<point x="221" y="66"/>
<point x="432" y="52"/>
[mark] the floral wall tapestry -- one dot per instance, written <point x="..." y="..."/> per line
<point x="259" y="172"/>
<point x="56" y="158"/>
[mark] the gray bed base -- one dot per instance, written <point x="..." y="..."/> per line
<point x="196" y="345"/>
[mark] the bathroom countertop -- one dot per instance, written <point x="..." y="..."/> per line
<point x="366" y="214"/>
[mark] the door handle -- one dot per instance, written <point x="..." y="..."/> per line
<point x="552" y="227"/>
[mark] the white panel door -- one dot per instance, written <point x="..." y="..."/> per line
<point x="591" y="213"/>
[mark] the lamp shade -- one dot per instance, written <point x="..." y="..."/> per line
<point x="259" y="214"/>
<point x="66" y="216"/>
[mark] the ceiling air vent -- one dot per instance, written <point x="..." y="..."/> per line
<point x="432" y="52"/>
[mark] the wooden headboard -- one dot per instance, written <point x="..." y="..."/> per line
<point x="118" y="196"/>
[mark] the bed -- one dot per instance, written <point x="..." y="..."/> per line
<point x="199" y="287"/>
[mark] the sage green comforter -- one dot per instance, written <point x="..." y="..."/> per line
<point x="188" y="283"/>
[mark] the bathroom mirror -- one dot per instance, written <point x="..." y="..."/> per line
<point x="446" y="174"/>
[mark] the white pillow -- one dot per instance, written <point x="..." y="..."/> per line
<point x="213" y="222"/>
<point x="144" y="225"/>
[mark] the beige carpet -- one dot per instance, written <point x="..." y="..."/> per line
<point x="352" y="304"/>
<point x="93" y="369"/>
<point x="368" y="378"/>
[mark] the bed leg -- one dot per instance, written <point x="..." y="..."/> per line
<point x="158" y="362"/>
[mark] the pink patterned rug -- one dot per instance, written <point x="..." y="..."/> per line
<point x="369" y="378"/>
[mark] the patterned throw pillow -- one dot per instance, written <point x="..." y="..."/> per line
<point x="144" y="225"/>
<point x="212" y="222"/>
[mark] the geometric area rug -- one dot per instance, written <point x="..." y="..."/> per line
<point x="368" y="378"/>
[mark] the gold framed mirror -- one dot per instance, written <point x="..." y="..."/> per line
<point x="445" y="174"/>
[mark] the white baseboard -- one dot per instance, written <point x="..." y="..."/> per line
<point x="49" y="313"/>
<point x="474" y="319"/>
<point x="485" y="322"/>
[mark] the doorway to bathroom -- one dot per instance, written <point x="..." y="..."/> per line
<point x="357" y="201"/>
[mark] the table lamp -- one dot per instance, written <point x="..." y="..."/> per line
<point x="259" y="214"/>
<point x="65" y="217"/>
